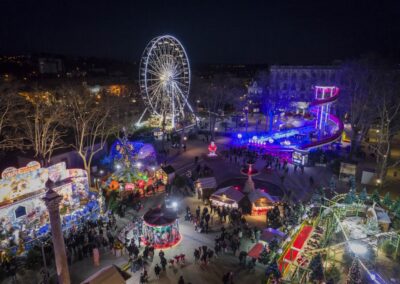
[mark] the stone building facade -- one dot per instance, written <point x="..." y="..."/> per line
<point x="295" y="83"/>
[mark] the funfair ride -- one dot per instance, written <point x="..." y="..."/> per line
<point x="165" y="81"/>
<point x="296" y="142"/>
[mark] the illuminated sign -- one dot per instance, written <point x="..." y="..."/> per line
<point x="17" y="184"/>
<point x="300" y="157"/>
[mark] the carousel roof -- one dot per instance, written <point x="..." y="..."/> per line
<point x="159" y="217"/>
<point x="229" y="193"/>
<point x="259" y="193"/>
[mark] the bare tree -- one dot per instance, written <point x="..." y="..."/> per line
<point x="387" y="102"/>
<point x="43" y="126"/>
<point x="216" y="95"/>
<point x="11" y="107"/>
<point x="93" y="121"/>
<point x="358" y="98"/>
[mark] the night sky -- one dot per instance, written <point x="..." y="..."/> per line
<point x="245" y="31"/>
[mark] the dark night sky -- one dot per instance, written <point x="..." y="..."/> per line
<point x="245" y="31"/>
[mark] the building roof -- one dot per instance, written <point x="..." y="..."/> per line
<point x="207" y="182"/>
<point x="168" y="169"/>
<point x="229" y="193"/>
<point x="259" y="193"/>
<point x="382" y="216"/>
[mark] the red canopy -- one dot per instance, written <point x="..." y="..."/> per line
<point x="256" y="250"/>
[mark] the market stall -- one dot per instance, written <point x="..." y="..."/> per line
<point x="165" y="174"/>
<point x="160" y="228"/>
<point x="205" y="187"/>
<point x="227" y="196"/>
<point x="24" y="215"/>
<point x="261" y="201"/>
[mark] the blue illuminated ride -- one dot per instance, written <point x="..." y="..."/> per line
<point x="296" y="134"/>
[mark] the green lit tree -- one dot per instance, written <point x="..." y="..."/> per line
<point x="354" y="276"/>
<point x="372" y="227"/>
<point x="375" y="196"/>
<point x="317" y="269"/>
<point x="350" y="197"/>
<point x="387" y="200"/>
<point x="363" y="196"/>
<point x="395" y="205"/>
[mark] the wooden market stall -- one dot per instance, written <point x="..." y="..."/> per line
<point x="227" y="196"/>
<point x="261" y="201"/>
<point x="165" y="174"/>
<point x="205" y="187"/>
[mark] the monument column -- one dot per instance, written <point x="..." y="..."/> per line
<point x="52" y="200"/>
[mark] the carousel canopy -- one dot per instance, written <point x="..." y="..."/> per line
<point x="229" y="193"/>
<point x="159" y="217"/>
<point x="208" y="182"/>
<point x="259" y="193"/>
<point x="269" y="234"/>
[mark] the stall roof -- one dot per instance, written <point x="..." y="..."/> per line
<point x="259" y="193"/>
<point x="108" y="275"/>
<point x="383" y="217"/>
<point x="229" y="192"/>
<point x="255" y="251"/>
<point x="207" y="182"/>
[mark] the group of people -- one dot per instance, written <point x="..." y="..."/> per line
<point x="88" y="239"/>
<point x="203" y="255"/>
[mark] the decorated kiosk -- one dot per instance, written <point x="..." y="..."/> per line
<point x="160" y="228"/>
<point x="261" y="201"/>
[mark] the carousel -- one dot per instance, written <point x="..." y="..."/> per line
<point x="160" y="228"/>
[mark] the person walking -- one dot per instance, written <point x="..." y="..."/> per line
<point x="181" y="281"/>
<point x="157" y="271"/>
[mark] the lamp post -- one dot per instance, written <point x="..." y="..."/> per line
<point x="52" y="200"/>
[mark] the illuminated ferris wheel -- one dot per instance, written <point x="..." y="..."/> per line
<point x="165" y="78"/>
